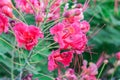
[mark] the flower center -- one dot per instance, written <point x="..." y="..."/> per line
<point x="68" y="31"/>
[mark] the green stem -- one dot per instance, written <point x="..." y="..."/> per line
<point x="5" y="69"/>
<point x="101" y="70"/>
<point x="48" y="7"/>
<point x="7" y="42"/>
<point x="34" y="9"/>
<point x="51" y="24"/>
<point x="38" y="52"/>
<point x="114" y="69"/>
<point x="19" y="13"/>
<point x="12" y="53"/>
<point x="47" y="76"/>
<point x="12" y="70"/>
<point x="15" y="18"/>
<point x="47" y="46"/>
<point x="43" y="39"/>
<point x="26" y="62"/>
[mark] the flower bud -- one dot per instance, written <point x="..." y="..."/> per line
<point x="66" y="15"/>
<point x="118" y="55"/>
<point x="105" y="61"/>
<point x="12" y="23"/>
<point x="39" y="18"/>
<point x="79" y="6"/>
<point x="77" y="12"/>
<point x="7" y="11"/>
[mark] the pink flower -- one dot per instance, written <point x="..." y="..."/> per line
<point x="56" y="57"/>
<point x="3" y="23"/>
<point x="6" y="8"/>
<point x="27" y="36"/>
<point x="118" y="55"/>
<point x="89" y="73"/>
<point x="69" y="36"/>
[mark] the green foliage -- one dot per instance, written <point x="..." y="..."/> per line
<point x="107" y="39"/>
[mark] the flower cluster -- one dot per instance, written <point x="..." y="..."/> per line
<point x="70" y="33"/>
<point x="87" y="73"/>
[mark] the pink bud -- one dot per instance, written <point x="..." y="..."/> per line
<point x="77" y="12"/>
<point x="66" y="14"/>
<point x="79" y="5"/>
<point x="105" y="61"/>
<point x="118" y="55"/>
<point x="100" y="60"/>
<point x="7" y="11"/>
<point x="39" y="18"/>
